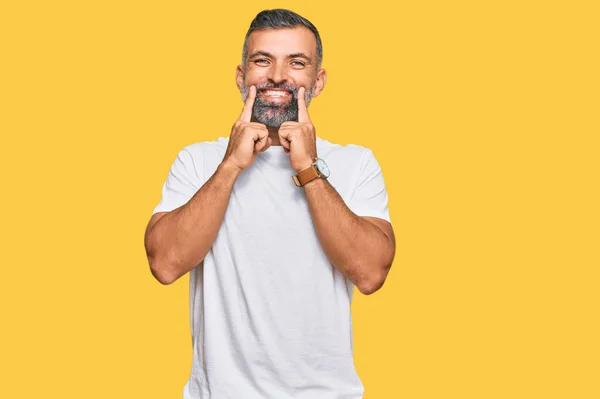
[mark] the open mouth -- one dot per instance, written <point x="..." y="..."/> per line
<point x="276" y="95"/>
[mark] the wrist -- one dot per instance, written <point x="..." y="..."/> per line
<point x="304" y="165"/>
<point x="319" y="181"/>
<point x="318" y="170"/>
<point x="229" y="168"/>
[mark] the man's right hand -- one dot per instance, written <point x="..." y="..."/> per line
<point x="247" y="138"/>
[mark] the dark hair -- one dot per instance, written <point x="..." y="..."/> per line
<point x="280" y="18"/>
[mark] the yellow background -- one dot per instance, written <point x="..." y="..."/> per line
<point x="483" y="115"/>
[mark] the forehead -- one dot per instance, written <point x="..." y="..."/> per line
<point x="281" y="42"/>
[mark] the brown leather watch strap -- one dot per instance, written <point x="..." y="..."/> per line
<point x="305" y="176"/>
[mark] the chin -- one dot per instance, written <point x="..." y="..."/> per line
<point x="271" y="122"/>
<point x="274" y="117"/>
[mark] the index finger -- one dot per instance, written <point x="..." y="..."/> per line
<point x="246" y="115"/>
<point x="302" y="111"/>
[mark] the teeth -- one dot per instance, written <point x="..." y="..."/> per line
<point x="275" y="93"/>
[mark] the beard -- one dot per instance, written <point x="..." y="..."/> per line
<point x="272" y="114"/>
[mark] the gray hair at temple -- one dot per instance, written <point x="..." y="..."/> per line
<point x="278" y="19"/>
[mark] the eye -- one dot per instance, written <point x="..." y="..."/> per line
<point x="298" y="63"/>
<point x="263" y="61"/>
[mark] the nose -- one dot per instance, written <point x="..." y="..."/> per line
<point x="277" y="72"/>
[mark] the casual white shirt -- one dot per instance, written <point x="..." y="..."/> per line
<point x="270" y="315"/>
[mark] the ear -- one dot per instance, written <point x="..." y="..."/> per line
<point x="239" y="77"/>
<point x="320" y="82"/>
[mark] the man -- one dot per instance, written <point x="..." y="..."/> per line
<point x="273" y="246"/>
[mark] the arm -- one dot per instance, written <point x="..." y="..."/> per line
<point x="178" y="241"/>
<point x="362" y="248"/>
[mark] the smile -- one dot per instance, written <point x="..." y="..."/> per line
<point x="275" y="93"/>
<point x="276" y="96"/>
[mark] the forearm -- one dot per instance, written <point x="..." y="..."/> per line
<point x="180" y="240"/>
<point x="356" y="247"/>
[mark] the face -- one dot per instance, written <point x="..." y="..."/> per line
<point x="278" y="63"/>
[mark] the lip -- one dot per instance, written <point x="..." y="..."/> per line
<point x="284" y="97"/>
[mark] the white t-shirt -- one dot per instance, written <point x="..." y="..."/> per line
<point x="270" y="315"/>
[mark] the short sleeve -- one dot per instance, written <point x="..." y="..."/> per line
<point x="370" y="196"/>
<point x="181" y="184"/>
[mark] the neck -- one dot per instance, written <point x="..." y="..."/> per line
<point x="274" y="135"/>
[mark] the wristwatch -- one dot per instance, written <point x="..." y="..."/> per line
<point x="318" y="169"/>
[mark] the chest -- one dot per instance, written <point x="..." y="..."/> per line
<point x="265" y="200"/>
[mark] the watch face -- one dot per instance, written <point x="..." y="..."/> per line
<point x="322" y="167"/>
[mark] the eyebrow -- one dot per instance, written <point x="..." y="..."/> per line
<point x="266" y="54"/>
<point x="299" y="55"/>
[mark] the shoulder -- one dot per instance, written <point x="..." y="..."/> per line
<point x="207" y="148"/>
<point x="340" y="149"/>
<point x="204" y="156"/>
<point x="346" y="153"/>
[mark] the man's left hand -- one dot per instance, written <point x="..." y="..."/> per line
<point x="299" y="138"/>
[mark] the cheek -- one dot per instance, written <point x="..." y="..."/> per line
<point x="301" y="79"/>
<point x="255" y="76"/>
